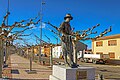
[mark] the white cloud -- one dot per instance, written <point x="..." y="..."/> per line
<point x="43" y="25"/>
<point x="35" y="27"/>
<point x="32" y="26"/>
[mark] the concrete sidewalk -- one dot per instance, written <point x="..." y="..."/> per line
<point x="19" y="65"/>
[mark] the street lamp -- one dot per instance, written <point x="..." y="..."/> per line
<point x="41" y="15"/>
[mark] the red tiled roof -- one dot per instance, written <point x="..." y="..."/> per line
<point x="109" y="37"/>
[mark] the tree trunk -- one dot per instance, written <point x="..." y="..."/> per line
<point x="1" y="47"/>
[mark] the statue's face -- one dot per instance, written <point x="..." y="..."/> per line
<point x="68" y="19"/>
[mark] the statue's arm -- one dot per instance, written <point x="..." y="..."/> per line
<point x="61" y="29"/>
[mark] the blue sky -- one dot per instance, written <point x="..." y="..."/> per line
<point x="86" y="13"/>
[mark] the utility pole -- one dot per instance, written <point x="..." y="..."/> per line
<point x="41" y="15"/>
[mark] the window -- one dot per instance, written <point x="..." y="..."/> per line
<point x="100" y="43"/>
<point x="112" y="42"/>
<point x="99" y="52"/>
<point x="112" y="55"/>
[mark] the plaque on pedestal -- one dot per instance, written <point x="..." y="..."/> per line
<point x="80" y="75"/>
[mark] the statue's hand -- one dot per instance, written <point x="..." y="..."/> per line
<point x="63" y="38"/>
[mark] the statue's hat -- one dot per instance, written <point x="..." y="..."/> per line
<point x="68" y="16"/>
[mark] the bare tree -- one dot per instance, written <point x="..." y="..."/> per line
<point x="80" y="35"/>
<point x="7" y="34"/>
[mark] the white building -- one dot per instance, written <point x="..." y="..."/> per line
<point x="57" y="50"/>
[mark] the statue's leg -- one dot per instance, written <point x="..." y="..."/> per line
<point x="70" y="53"/>
<point x="65" y="53"/>
<point x="65" y="58"/>
<point x="70" y="58"/>
<point x="72" y="64"/>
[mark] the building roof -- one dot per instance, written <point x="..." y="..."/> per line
<point x="109" y="37"/>
<point x="82" y="43"/>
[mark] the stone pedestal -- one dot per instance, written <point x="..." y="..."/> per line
<point x="66" y="73"/>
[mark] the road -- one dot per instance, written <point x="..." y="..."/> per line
<point x="110" y="72"/>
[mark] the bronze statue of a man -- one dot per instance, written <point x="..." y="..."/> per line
<point x="67" y="46"/>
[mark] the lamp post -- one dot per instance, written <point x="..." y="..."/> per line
<point x="41" y="15"/>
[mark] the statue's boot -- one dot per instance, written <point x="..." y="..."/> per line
<point x="73" y="65"/>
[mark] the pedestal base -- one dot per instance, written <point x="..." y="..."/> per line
<point x="67" y="73"/>
<point x="31" y="71"/>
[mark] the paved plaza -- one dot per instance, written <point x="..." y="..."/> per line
<point x="18" y="67"/>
